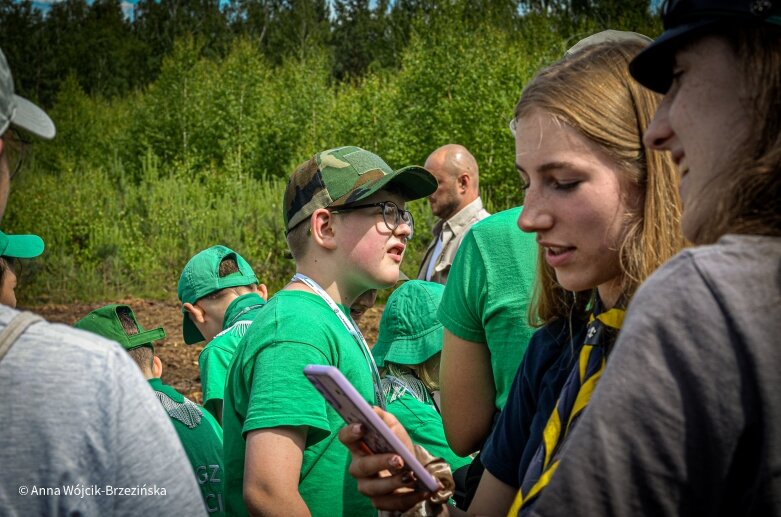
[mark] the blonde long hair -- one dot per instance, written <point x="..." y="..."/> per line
<point x="427" y="371"/>
<point x="592" y="92"/>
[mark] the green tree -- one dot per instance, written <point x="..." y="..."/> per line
<point x="605" y="14"/>
<point x="159" y="23"/>
<point x="358" y="36"/>
<point x="284" y="28"/>
<point x="21" y="27"/>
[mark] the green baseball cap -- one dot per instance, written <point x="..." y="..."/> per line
<point x="410" y="332"/>
<point x="201" y="277"/>
<point x="20" y="246"/>
<point x="105" y="322"/>
<point x="346" y="175"/>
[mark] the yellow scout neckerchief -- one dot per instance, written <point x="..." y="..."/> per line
<point x="573" y="399"/>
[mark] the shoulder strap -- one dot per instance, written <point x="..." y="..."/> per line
<point x="14" y="329"/>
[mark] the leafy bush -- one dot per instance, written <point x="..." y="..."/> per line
<point x="132" y="187"/>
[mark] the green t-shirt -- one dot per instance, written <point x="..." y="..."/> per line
<point x="424" y="425"/>
<point x="488" y="292"/>
<point x="266" y="388"/>
<point x="201" y="437"/>
<point x="215" y="358"/>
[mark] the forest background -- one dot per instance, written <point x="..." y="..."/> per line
<point x="178" y="121"/>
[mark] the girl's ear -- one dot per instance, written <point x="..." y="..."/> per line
<point x="322" y="228"/>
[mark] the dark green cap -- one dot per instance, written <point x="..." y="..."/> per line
<point x="201" y="277"/>
<point x="410" y="332"/>
<point x="20" y="246"/>
<point x="105" y="322"/>
<point x="346" y="175"/>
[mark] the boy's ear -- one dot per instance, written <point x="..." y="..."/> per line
<point x="197" y="314"/>
<point x="322" y="228"/>
<point x="263" y="291"/>
<point x="157" y="367"/>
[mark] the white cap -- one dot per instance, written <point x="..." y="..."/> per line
<point x="19" y="111"/>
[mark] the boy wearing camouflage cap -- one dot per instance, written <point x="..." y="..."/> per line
<point x="200" y="434"/>
<point x="347" y="229"/>
<point x="220" y="298"/>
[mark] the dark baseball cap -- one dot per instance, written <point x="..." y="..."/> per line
<point x="346" y="175"/>
<point x="684" y="19"/>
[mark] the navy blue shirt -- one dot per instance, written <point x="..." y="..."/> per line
<point x="532" y="398"/>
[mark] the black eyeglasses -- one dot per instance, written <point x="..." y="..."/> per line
<point x="391" y="214"/>
<point x="14" y="151"/>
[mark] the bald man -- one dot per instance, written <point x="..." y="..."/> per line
<point x="456" y="202"/>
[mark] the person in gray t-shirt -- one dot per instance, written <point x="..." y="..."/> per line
<point x="83" y="433"/>
<point x="687" y="417"/>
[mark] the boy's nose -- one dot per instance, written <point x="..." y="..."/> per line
<point x="403" y="230"/>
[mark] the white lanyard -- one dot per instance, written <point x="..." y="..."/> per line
<point x="354" y="331"/>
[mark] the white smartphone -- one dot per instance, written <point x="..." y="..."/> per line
<point x="379" y="438"/>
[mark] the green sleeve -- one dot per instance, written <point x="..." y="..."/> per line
<point x="465" y="293"/>
<point x="280" y="394"/>
<point x="424" y="426"/>
<point x="213" y="363"/>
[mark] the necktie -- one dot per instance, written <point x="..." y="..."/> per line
<point x="574" y="397"/>
<point x="435" y="253"/>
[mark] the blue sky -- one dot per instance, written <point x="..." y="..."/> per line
<point x="127" y="5"/>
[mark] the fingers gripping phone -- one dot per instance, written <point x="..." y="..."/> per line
<point x="379" y="438"/>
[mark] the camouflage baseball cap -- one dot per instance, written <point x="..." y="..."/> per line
<point x="105" y="322"/>
<point x="346" y="175"/>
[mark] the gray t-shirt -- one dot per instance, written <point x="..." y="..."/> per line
<point x="686" y="419"/>
<point x="83" y="433"/>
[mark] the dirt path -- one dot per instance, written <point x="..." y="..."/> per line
<point x="180" y="361"/>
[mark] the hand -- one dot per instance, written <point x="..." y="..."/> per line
<point x="381" y="477"/>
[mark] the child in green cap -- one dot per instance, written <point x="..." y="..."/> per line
<point x="408" y="351"/>
<point x="347" y="227"/>
<point x="199" y="432"/>
<point x="220" y="297"/>
<point x="14" y="247"/>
